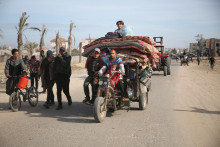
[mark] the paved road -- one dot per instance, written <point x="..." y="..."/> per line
<point x="183" y="110"/>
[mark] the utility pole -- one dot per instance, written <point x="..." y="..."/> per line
<point x="80" y="52"/>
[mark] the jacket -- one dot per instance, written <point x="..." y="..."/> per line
<point x="62" y="65"/>
<point x="14" y="68"/>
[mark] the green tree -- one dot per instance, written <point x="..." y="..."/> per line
<point x="43" y="32"/>
<point x="201" y="43"/>
<point x="30" y="46"/>
<point x="22" y="26"/>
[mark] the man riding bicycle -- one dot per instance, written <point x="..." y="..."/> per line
<point x="13" y="68"/>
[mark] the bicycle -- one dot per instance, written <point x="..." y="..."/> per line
<point x="30" y="94"/>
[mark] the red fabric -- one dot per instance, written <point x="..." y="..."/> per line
<point x="114" y="78"/>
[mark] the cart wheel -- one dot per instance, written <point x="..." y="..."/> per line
<point x="143" y="101"/>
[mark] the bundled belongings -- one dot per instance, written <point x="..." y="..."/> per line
<point x="139" y="48"/>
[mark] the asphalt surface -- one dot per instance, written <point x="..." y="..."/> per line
<point x="183" y="110"/>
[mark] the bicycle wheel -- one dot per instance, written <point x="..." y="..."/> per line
<point x="32" y="96"/>
<point x="15" y="101"/>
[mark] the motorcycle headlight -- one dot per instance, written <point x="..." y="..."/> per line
<point x="100" y="82"/>
<point x="105" y="83"/>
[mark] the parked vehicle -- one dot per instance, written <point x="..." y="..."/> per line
<point x="165" y="60"/>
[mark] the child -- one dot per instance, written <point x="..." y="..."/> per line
<point x="34" y="66"/>
<point x="115" y="76"/>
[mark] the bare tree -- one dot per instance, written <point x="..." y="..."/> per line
<point x="44" y="30"/>
<point x="22" y="26"/>
<point x="70" y="36"/>
<point x="201" y="44"/>
<point x="1" y="35"/>
<point x="58" y="43"/>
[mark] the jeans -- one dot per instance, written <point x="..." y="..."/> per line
<point x="34" y="77"/>
<point x="50" y="95"/>
<point x="63" y="82"/>
<point x="90" y="80"/>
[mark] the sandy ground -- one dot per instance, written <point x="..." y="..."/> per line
<point x="183" y="110"/>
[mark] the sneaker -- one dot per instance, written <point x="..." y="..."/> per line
<point x="59" y="107"/>
<point x="51" y="104"/>
<point x="85" y="100"/>
<point x="70" y="102"/>
<point x="46" y="105"/>
<point x="91" y="102"/>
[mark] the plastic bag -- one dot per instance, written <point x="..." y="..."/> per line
<point x="127" y="31"/>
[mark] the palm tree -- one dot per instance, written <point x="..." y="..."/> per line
<point x="1" y="36"/>
<point x="30" y="46"/>
<point x="22" y="26"/>
<point x="44" y="30"/>
<point x="70" y="36"/>
<point x="58" y="43"/>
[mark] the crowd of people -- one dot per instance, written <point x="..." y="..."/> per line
<point x="57" y="70"/>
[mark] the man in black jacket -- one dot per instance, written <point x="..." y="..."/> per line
<point x="14" y="67"/>
<point x="62" y="73"/>
<point x="93" y="64"/>
<point x="48" y="78"/>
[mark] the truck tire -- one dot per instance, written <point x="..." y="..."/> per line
<point x="165" y="70"/>
<point x="99" y="114"/>
<point x="168" y="69"/>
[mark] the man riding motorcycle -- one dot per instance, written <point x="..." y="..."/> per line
<point x="113" y="59"/>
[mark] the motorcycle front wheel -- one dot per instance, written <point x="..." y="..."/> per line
<point x="99" y="109"/>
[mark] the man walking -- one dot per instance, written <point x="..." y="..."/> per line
<point x="49" y="80"/>
<point x="62" y="73"/>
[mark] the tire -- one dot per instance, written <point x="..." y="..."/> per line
<point x="165" y="70"/>
<point x="98" y="115"/>
<point x="143" y="101"/>
<point x="168" y="69"/>
<point x="15" y="101"/>
<point x="32" y="96"/>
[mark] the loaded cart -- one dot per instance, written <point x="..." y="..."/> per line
<point x="138" y="55"/>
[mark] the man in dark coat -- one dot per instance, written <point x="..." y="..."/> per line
<point x="48" y="78"/>
<point x="13" y="68"/>
<point x="62" y="73"/>
<point x="93" y="65"/>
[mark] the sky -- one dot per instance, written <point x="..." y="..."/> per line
<point x="178" y="21"/>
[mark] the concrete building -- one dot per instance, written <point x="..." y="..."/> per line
<point x="193" y="47"/>
<point x="86" y="41"/>
<point x="213" y="47"/>
<point x="63" y="41"/>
